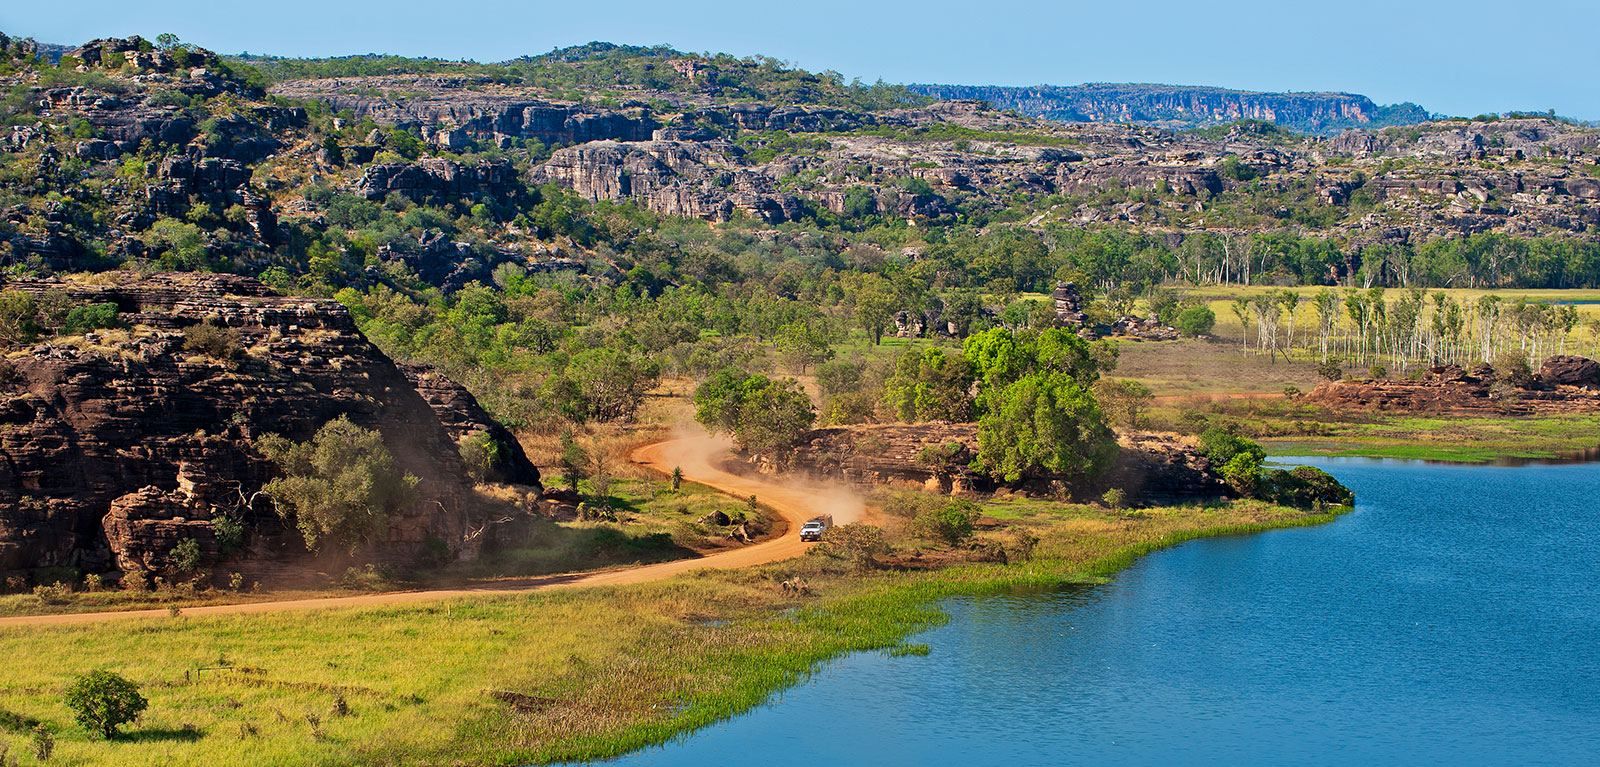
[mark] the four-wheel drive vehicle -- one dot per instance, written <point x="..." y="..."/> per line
<point x="813" y="529"/>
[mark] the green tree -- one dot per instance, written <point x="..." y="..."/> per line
<point x="103" y="701"/>
<point x="805" y="343"/>
<point x="480" y="452"/>
<point x="613" y="383"/>
<point x="875" y="304"/>
<point x="764" y="415"/>
<point x="18" y="323"/>
<point x="1196" y="321"/>
<point x="1124" y="400"/>
<point x="1043" y="422"/>
<point x="930" y="385"/>
<point x="342" y="485"/>
<point x="185" y="555"/>
<point x="951" y="523"/>
<point x="574" y="461"/>
<point x="92" y="317"/>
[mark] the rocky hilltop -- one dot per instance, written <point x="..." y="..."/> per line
<point x="1181" y="107"/>
<point x="689" y="155"/>
<point x="171" y="157"/>
<point x="115" y="445"/>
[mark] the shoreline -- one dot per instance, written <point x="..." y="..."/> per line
<point x="917" y="604"/>
<point x="716" y="643"/>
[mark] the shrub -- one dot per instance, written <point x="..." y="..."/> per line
<point x="81" y="319"/>
<point x="1196" y="321"/>
<point x="1378" y="371"/>
<point x="185" y="555"/>
<point x="856" y="543"/>
<point x="213" y="340"/>
<point x="44" y="744"/>
<point x="229" y="532"/>
<point x="480" y="452"/>
<point x="1114" y="498"/>
<point x="951" y="523"/>
<point x="18" y="318"/>
<point x="341" y="485"/>
<point x="1023" y="544"/>
<point x="1304" y="487"/>
<point x="135" y="580"/>
<point x="1331" y="369"/>
<point x="1243" y="473"/>
<point x="57" y="593"/>
<point x="1291" y="392"/>
<point x="1221" y="446"/>
<point x="102" y="701"/>
<point x="367" y="578"/>
<point x="1514" y="369"/>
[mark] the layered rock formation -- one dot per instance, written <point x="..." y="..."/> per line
<point x="484" y="112"/>
<point x="701" y="180"/>
<point x="1151" y="469"/>
<point x="119" y="444"/>
<point x="433" y="177"/>
<point x="1565" y="384"/>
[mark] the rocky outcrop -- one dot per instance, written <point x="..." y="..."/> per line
<point x="1151" y="469"/>
<point x="434" y="177"/>
<point x="1570" y="370"/>
<point x="116" y="444"/>
<point x="484" y="112"/>
<point x="1566" y="385"/>
<point x="461" y="415"/>
<point x="669" y="177"/>
<point x="1069" y="314"/>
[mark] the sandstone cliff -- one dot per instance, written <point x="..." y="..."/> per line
<point x="1184" y="106"/>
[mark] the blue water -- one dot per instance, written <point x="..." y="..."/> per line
<point x="1453" y="618"/>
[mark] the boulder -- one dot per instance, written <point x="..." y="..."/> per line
<point x="1570" y="370"/>
<point x="718" y="518"/>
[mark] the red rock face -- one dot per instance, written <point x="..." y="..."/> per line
<point x="1566" y="384"/>
<point x="118" y="445"/>
<point x="1570" y="370"/>
<point x="1150" y="468"/>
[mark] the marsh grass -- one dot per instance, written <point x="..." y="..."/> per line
<point x="552" y="676"/>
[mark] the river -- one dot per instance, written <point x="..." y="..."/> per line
<point x="1453" y="618"/>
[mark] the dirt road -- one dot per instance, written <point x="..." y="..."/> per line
<point x="696" y="456"/>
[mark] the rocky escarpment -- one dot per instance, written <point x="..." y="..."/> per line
<point x="1564" y="384"/>
<point x="1151" y="469"/>
<point x="701" y="180"/>
<point x="118" y="444"/>
<point x="1184" y="106"/>
<point x="481" y="110"/>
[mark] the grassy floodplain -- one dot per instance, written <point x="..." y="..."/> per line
<point x="540" y="677"/>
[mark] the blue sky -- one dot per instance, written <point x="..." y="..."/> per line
<point x="1455" y="56"/>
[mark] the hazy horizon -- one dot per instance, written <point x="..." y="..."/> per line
<point x="1463" y="58"/>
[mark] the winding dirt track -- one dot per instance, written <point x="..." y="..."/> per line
<point x="696" y="456"/>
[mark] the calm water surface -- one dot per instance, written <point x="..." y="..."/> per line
<point x="1452" y="619"/>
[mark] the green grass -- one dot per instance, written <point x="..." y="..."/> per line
<point x="1462" y="439"/>
<point x="511" y="679"/>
